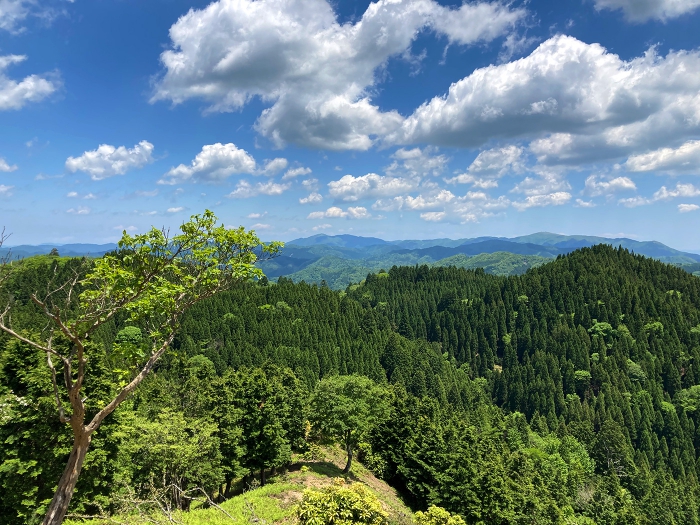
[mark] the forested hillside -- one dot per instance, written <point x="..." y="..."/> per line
<point x="569" y="394"/>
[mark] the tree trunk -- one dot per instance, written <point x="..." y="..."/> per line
<point x="348" y="448"/>
<point x="66" y="485"/>
<point x="262" y="477"/>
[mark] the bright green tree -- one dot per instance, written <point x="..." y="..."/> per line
<point x="152" y="278"/>
<point x="345" y="408"/>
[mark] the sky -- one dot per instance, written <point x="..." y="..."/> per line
<point x="402" y="119"/>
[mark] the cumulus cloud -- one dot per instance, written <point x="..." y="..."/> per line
<point x="595" y="187"/>
<point x="681" y="190"/>
<point x="433" y="216"/>
<point x="215" y="163"/>
<point x="322" y="227"/>
<point x="246" y="190"/>
<point x="685" y="208"/>
<point x="334" y="212"/>
<point x="576" y="101"/>
<point x="108" y="161"/>
<point x="13" y="13"/>
<point x="350" y="188"/>
<point x="663" y="194"/>
<point x="274" y="166"/>
<point x="5" y="191"/>
<point x="417" y="162"/>
<point x="80" y="210"/>
<point x="316" y="73"/>
<point x="580" y="203"/>
<point x="547" y="182"/>
<point x="296" y="172"/>
<point x="682" y="159"/>
<point x="537" y="201"/>
<point x="421" y="202"/>
<point x="641" y="11"/>
<point x="177" y="209"/>
<point x="4" y="166"/>
<point x="491" y="164"/>
<point x="33" y="88"/>
<point x="313" y="198"/>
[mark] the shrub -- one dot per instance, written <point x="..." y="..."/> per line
<point x="438" y="516"/>
<point x="339" y="504"/>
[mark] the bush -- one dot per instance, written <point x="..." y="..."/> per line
<point x="438" y="516"/>
<point x="339" y="504"/>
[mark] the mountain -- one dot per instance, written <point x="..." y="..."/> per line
<point x="343" y="259"/>
<point x="65" y="250"/>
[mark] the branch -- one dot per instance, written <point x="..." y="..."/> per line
<point x="14" y="334"/>
<point x="61" y="413"/>
<point x="128" y="389"/>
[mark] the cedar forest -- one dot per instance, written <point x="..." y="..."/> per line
<point x="569" y="394"/>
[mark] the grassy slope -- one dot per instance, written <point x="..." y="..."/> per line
<point x="274" y="503"/>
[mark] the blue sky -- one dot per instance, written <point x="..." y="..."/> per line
<point x="400" y="119"/>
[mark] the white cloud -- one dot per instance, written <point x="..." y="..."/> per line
<point x="433" y="216"/>
<point x="215" y="163"/>
<point x="261" y="226"/>
<point x="317" y="74"/>
<point x="313" y="198"/>
<point x="643" y="10"/>
<point x="552" y="199"/>
<point x="296" y="172"/>
<point x="310" y="184"/>
<point x="421" y="202"/>
<point x="33" y="88"/>
<point x="491" y="164"/>
<point x="80" y="210"/>
<point x="321" y="227"/>
<point x="595" y="105"/>
<point x="256" y="215"/>
<point x="663" y="194"/>
<point x="4" y="166"/>
<point x="5" y="190"/>
<point x="334" y="212"/>
<point x="350" y="188"/>
<point x="681" y="190"/>
<point x="274" y="166"/>
<point x="633" y="202"/>
<point x="417" y="162"/>
<point x="595" y="187"/>
<point x="125" y="228"/>
<point x="547" y="182"/>
<point x="682" y="159"/>
<point x="107" y="161"/>
<point x="72" y="194"/>
<point x="685" y="208"/>
<point x="580" y="203"/>
<point x="245" y="190"/>
<point x="14" y="12"/>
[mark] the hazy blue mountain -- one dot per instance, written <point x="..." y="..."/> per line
<point x="344" y="259"/>
<point x="343" y="241"/>
<point x="66" y="250"/>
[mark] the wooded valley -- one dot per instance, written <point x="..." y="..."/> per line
<point x="569" y="394"/>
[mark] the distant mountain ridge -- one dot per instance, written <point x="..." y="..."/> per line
<point x="66" y="250"/>
<point x="340" y="260"/>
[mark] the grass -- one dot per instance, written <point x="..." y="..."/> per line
<point x="274" y="503"/>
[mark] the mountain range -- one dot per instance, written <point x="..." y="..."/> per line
<point x="340" y="260"/>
